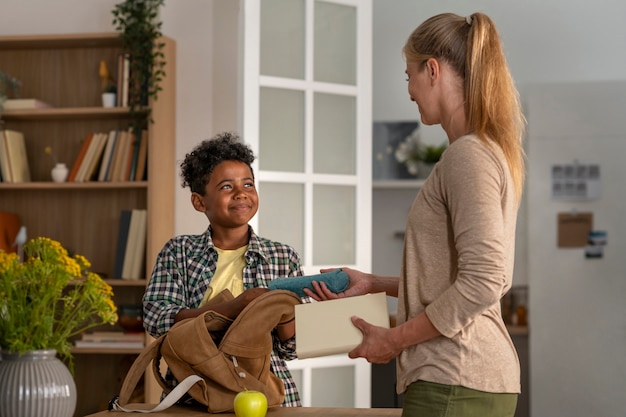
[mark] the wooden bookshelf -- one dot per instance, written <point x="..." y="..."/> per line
<point x="62" y="70"/>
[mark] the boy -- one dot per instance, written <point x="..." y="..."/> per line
<point x="191" y="269"/>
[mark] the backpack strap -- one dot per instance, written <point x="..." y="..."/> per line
<point x="139" y="366"/>
<point x="171" y="398"/>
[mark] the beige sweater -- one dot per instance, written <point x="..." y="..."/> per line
<point x="457" y="264"/>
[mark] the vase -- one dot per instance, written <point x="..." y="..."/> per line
<point x="35" y="383"/>
<point x="59" y="173"/>
<point x="424" y="169"/>
<point x="109" y="99"/>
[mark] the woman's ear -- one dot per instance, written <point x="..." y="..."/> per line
<point x="432" y="66"/>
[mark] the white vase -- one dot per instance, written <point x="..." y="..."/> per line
<point x="59" y="173"/>
<point x="36" y="383"/>
<point x="108" y="99"/>
<point x="424" y="169"/>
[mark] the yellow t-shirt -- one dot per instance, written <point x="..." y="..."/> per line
<point x="229" y="273"/>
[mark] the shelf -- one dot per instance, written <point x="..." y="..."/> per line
<point x="397" y="184"/>
<point x="89" y="185"/>
<point x="67" y="113"/>
<point x="82" y="40"/>
<point x="62" y="70"/>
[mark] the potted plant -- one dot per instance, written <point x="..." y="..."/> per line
<point x="46" y="299"/>
<point x="9" y="87"/>
<point x="109" y="96"/>
<point x="418" y="157"/>
<point x="140" y="29"/>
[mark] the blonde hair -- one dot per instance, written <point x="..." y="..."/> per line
<point x="472" y="47"/>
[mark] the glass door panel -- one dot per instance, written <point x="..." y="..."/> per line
<point x="282" y="38"/>
<point x="330" y="387"/>
<point x="282" y="219"/>
<point x="335" y="51"/>
<point x="281" y="130"/>
<point x="334" y="134"/>
<point x="334" y="217"/>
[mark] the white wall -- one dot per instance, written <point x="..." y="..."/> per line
<point x="577" y="310"/>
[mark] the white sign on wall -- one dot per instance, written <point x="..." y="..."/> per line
<point x="575" y="181"/>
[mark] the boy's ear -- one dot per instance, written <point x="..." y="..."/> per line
<point x="197" y="202"/>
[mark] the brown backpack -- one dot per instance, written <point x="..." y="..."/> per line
<point x="214" y="357"/>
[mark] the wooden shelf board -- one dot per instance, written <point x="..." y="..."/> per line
<point x="90" y="185"/>
<point x="81" y="40"/>
<point x="67" y="113"/>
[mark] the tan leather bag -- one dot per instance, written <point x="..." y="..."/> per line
<point x="214" y="357"/>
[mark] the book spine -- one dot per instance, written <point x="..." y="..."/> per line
<point x="122" y="240"/>
<point x="79" y="158"/>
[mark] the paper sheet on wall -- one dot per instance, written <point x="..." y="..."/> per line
<point x="573" y="229"/>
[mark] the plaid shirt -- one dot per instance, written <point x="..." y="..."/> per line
<point x="182" y="275"/>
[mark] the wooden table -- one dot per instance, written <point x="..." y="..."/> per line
<point x="272" y="412"/>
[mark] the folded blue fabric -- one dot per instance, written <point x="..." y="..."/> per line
<point x="336" y="281"/>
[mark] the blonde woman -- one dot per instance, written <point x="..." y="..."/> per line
<point x="454" y="354"/>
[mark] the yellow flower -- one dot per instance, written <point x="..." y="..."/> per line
<point x="49" y="298"/>
<point x="48" y="150"/>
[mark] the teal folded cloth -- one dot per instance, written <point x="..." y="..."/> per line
<point x="336" y="281"/>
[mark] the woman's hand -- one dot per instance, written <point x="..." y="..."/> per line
<point x="377" y="345"/>
<point x="359" y="285"/>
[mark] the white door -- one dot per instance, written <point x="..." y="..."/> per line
<point x="306" y="95"/>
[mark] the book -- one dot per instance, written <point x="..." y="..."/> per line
<point x="325" y="328"/>
<point x="79" y="159"/>
<point x="139" y="249"/>
<point x="128" y="158"/>
<point x="24" y="103"/>
<point x="123" y="73"/>
<point x="93" y="144"/>
<point x="122" y="239"/>
<point x="107" y="155"/>
<point x="96" y="158"/>
<point x="115" y="156"/>
<point x="5" y="168"/>
<point x="121" y="156"/>
<point x="142" y="158"/>
<point x="135" y="156"/>
<point x="15" y="147"/>
<point x="131" y="244"/>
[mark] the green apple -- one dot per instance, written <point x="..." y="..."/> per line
<point x="250" y="403"/>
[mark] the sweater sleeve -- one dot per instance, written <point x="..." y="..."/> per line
<point x="474" y="181"/>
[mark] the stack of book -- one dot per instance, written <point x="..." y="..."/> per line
<point x="111" y="340"/>
<point x="118" y="155"/>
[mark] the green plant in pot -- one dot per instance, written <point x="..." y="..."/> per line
<point x="140" y="29"/>
<point x="430" y="154"/>
<point x="417" y="157"/>
<point x="9" y="87"/>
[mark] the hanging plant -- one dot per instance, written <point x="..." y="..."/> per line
<point x="140" y="29"/>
